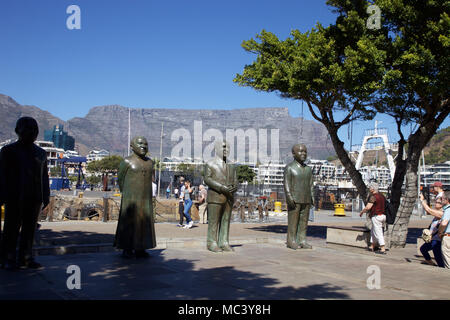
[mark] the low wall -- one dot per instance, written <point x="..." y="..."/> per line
<point x="64" y="207"/>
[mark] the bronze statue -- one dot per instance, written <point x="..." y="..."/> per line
<point x="221" y="179"/>
<point x="298" y="187"/>
<point x="24" y="188"/>
<point x="135" y="228"/>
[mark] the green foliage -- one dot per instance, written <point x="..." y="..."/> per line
<point x="93" y="179"/>
<point x="157" y="163"/>
<point x="108" y="164"/>
<point x="332" y="158"/>
<point x="190" y="169"/>
<point x="245" y="173"/>
<point x="55" y="171"/>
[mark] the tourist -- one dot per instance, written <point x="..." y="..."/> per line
<point x="437" y="190"/>
<point x="181" y="202"/>
<point x="187" y="204"/>
<point x="202" y="209"/>
<point x="168" y="192"/>
<point x="24" y="188"/>
<point x="435" y="243"/>
<point x="154" y="191"/>
<point x="444" y="230"/>
<point x="376" y="207"/>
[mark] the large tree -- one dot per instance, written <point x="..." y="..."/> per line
<point x="349" y="70"/>
<point x="108" y="164"/>
<point x="335" y="70"/>
<point x="414" y="88"/>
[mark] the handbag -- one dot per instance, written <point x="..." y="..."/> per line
<point x="426" y="235"/>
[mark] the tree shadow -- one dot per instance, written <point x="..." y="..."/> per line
<point x="313" y="231"/>
<point x="49" y="237"/>
<point x="110" y="276"/>
<point x="321" y="231"/>
<point x="162" y="278"/>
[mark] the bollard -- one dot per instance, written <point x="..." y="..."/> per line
<point x="277" y="206"/>
<point x="339" y="209"/>
<point x="105" y="208"/>
<point x="51" y="208"/>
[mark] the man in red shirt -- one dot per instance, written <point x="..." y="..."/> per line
<point x="376" y="207"/>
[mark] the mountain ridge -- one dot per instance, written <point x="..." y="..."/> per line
<point x="106" y="126"/>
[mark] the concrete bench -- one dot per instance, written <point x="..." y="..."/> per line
<point x="350" y="236"/>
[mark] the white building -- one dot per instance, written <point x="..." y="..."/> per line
<point x="436" y="172"/>
<point x="96" y="155"/>
<point x="171" y="164"/>
<point x="53" y="153"/>
<point x="269" y="173"/>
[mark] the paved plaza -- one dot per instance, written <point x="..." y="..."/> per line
<point x="260" y="268"/>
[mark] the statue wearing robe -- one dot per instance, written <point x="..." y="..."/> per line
<point x="135" y="228"/>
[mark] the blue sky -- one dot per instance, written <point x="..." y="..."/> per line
<point x="144" y="54"/>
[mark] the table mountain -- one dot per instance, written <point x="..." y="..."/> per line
<point x="106" y="127"/>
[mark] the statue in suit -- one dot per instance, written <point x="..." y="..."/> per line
<point x="298" y="187"/>
<point x="135" y="229"/>
<point x="24" y="189"/>
<point x="221" y="179"/>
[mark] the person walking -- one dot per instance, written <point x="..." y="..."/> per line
<point x="168" y="192"/>
<point x="181" y="201"/>
<point x="202" y="210"/>
<point x="187" y="204"/>
<point x="375" y="206"/>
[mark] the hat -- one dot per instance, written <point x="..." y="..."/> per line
<point x="437" y="184"/>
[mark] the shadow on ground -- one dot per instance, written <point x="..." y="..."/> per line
<point x="321" y="231"/>
<point x="48" y="237"/>
<point x="161" y="278"/>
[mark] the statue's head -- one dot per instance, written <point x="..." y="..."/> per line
<point x="27" y="129"/>
<point x="222" y="149"/>
<point x="139" y="145"/>
<point x="300" y="152"/>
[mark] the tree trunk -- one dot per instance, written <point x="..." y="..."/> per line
<point x="343" y="156"/>
<point x="399" y="230"/>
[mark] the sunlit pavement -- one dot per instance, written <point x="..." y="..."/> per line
<point x="260" y="268"/>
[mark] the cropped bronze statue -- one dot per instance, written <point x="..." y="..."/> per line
<point x="221" y="178"/>
<point x="298" y="187"/>
<point x="24" y="189"/>
<point x="135" y="229"/>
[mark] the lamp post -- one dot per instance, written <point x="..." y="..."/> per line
<point x="160" y="158"/>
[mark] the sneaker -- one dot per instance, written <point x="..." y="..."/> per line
<point x="180" y="225"/>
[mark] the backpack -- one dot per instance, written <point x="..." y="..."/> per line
<point x="389" y="212"/>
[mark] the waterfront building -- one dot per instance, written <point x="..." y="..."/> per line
<point x="96" y="155"/>
<point x="60" y="138"/>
